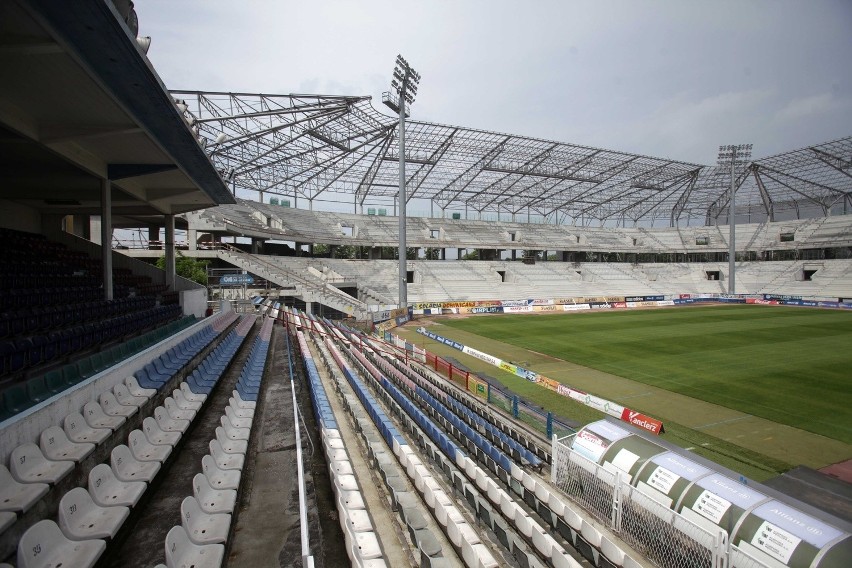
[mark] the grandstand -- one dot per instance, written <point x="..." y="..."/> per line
<point x="143" y="424"/>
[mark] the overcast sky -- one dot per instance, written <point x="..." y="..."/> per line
<point x="673" y="78"/>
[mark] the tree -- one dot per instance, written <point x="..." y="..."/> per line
<point x="472" y="255"/>
<point x="187" y="267"/>
<point x="433" y="254"/>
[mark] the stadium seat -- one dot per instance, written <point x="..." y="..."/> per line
<point x="231" y="446"/>
<point x="157" y="435"/>
<point x="96" y="417"/>
<point x="176" y="412"/>
<point x="213" y="500"/>
<point x="127" y="468"/>
<point x="136" y="389"/>
<point x="16" y="496"/>
<point x="56" y="446"/>
<point x="43" y="545"/>
<point x="181" y="551"/>
<point x="28" y="465"/>
<point x="123" y="396"/>
<point x="108" y="491"/>
<point x="220" y="478"/>
<point x="80" y="518"/>
<point x="223" y="459"/>
<point x="169" y="424"/>
<point x="112" y="407"/>
<point x="78" y="430"/>
<point x="201" y="527"/>
<point x="143" y="450"/>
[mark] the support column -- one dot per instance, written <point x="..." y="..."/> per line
<point x="192" y="238"/>
<point x="106" y="236"/>
<point x="170" y="251"/>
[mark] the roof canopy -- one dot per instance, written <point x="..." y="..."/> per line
<point x="311" y="145"/>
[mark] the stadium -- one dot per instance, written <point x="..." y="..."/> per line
<point x="411" y="343"/>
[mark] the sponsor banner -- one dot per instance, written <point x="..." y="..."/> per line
<point x="486" y="303"/>
<point x="398" y="312"/>
<point x="482" y="356"/>
<point x="619" y="304"/>
<point x="665" y="303"/>
<point x="589" y="445"/>
<point x="418" y="312"/>
<point x="477" y="387"/>
<point x="482" y="310"/>
<point x="384" y="315"/>
<point x="791" y="302"/>
<point x="780" y="297"/>
<point x="428" y="305"/>
<point x="601" y="306"/>
<point x="515" y="303"/>
<point x="550" y="308"/>
<point x="575" y="307"/>
<point x="642" y="304"/>
<point x="540" y="302"/>
<point x="829" y="304"/>
<point x="640" y="420"/>
<point x="517" y="309"/>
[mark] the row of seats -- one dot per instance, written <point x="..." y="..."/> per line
<point x="87" y="519"/>
<point x="361" y="543"/>
<point x="23" y="395"/>
<point x="461" y="534"/>
<point x="58" y="311"/>
<point x="206" y="514"/>
<point x="23" y="353"/>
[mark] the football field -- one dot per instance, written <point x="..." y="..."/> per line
<point x="761" y="385"/>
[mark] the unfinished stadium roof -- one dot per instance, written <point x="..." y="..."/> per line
<point x="315" y="145"/>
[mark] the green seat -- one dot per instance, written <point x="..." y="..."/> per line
<point x="54" y="381"/>
<point x="37" y="390"/>
<point x="98" y="364"/>
<point x="70" y="374"/>
<point x="125" y="350"/>
<point x="85" y="368"/>
<point x="16" y="399"/>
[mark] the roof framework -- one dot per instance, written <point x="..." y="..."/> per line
<point x="314" y="145"/>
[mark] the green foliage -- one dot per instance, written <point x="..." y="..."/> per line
<point x="432" y="254"/>
<point x="344" y="251"/>
<point x="321" y="249"/>
<point x="187" y="267"/>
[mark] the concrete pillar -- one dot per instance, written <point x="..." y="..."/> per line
<point x="443" y="253"/>
<point x="255" y="245"/>
<point x="332" y="251"/>
<point x="192" y="238"/>
<point x="154" y="238"/>
<point x="106" y="237"/>
<point x="309" y="307"/>
<point x="80" y="226"/>
<point x="95" y="229"/>
<point x="170" y="251"/>
<point x="514" y="254"/>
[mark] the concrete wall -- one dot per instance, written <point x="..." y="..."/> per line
<point x="19" y="217"/>
<point x="194" y="302"/>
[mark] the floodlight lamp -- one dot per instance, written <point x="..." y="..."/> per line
<point x="221" y="138"/>
<point x="181" y="105"/>
<point x="144" y="43"/>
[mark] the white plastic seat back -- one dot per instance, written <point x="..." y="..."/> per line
<point x="184" y="403"/>
<point x="107" y="490"/>
<point x="143" y="450"/>
<point x="176" y="412"/>
<point x="240" y="411"/>
<point x="111" y="406"/>
<point x="16" y="496"/>
<point x="236" y="420"/>
<point x="232" y="431"/>
<point x="125" y="397"/>
<point x="201" y="527"/>
<point x="81" y="518"/>
<point x="78" y="429"/>
<point x="56" y="446"/>
<point x="223" y="459"/>
<point x="181" y="551"/>
<point x="243" y="403"/>
<point x="43" y="545"/>
<point x="7" y="519"/>
<point x="189" y="395"/>
<point x="212" y="500"/>
<point x="133" y="387"/>
<point x="612" y="551"/>
<point x="97" y="418"/>
<point x="28" y="465"/>
<point x="157" y="435"/>
<point x="220" y="478"/>
<point x="231" y="446"/>
<point x="128" y="468"/>
<point x="168" y="423"/>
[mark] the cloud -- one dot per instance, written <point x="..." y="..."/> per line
<point x="812" y="106"/>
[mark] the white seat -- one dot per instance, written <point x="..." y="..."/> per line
<point x="232" y="431"/>
<point x="366" y="545"/>
<point x="7" y="519"/>
<point x="124" y="396"/>
<point x="95" y="417"/>
<point x="612" y="552"/>
<point x="128" y="468"/>
<point x="193" y="396"/>
<point x="80" y="518"/>
<point x="212" y="500"/>
<point x="231" y="446"/>
<point x="477" y="554"/>
<point x="112" y="407"/>
<point x="236" y="420"/>
<point x="78" y="430"/>
<point x="28" y="465"/>
<point x="240" y="411"/>
<point x="44" y="545"/>
<point x="16" y="496"/>
<point x="243" y="403"/>
<point x="107" y="490"/>
<point x="564" y="560"/>
<point x="201" y="527"/>
<point x="357" y="520"/>
<point x="133" y="387"/>
<point x="56" y="446"/>
<point x="143" y="450"/>
<point x="182" y="552"/>
<point x="220" y="478"/>
<point x="590" y="534"/>
<point x="223" y="459"/>
<point x="184" y="403"/>
<point x="168" y="423"/>
<point x="176" y="412"/>
<point x="157" y="435"/>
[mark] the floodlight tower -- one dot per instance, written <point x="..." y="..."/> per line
<point x="404" y="84"/>
<point x="736" y="156"/>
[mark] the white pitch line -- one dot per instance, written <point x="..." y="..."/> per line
<point x="730" y="420"/>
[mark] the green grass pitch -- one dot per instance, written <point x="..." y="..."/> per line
<point x="789" y="365"/>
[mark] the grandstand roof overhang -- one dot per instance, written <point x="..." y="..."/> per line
<point x="80" y="102"/>
<point x="310" y="146"/>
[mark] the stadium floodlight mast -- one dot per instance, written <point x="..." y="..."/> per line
<point x="736" y="156"/>
<point x="404" y="84"/>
